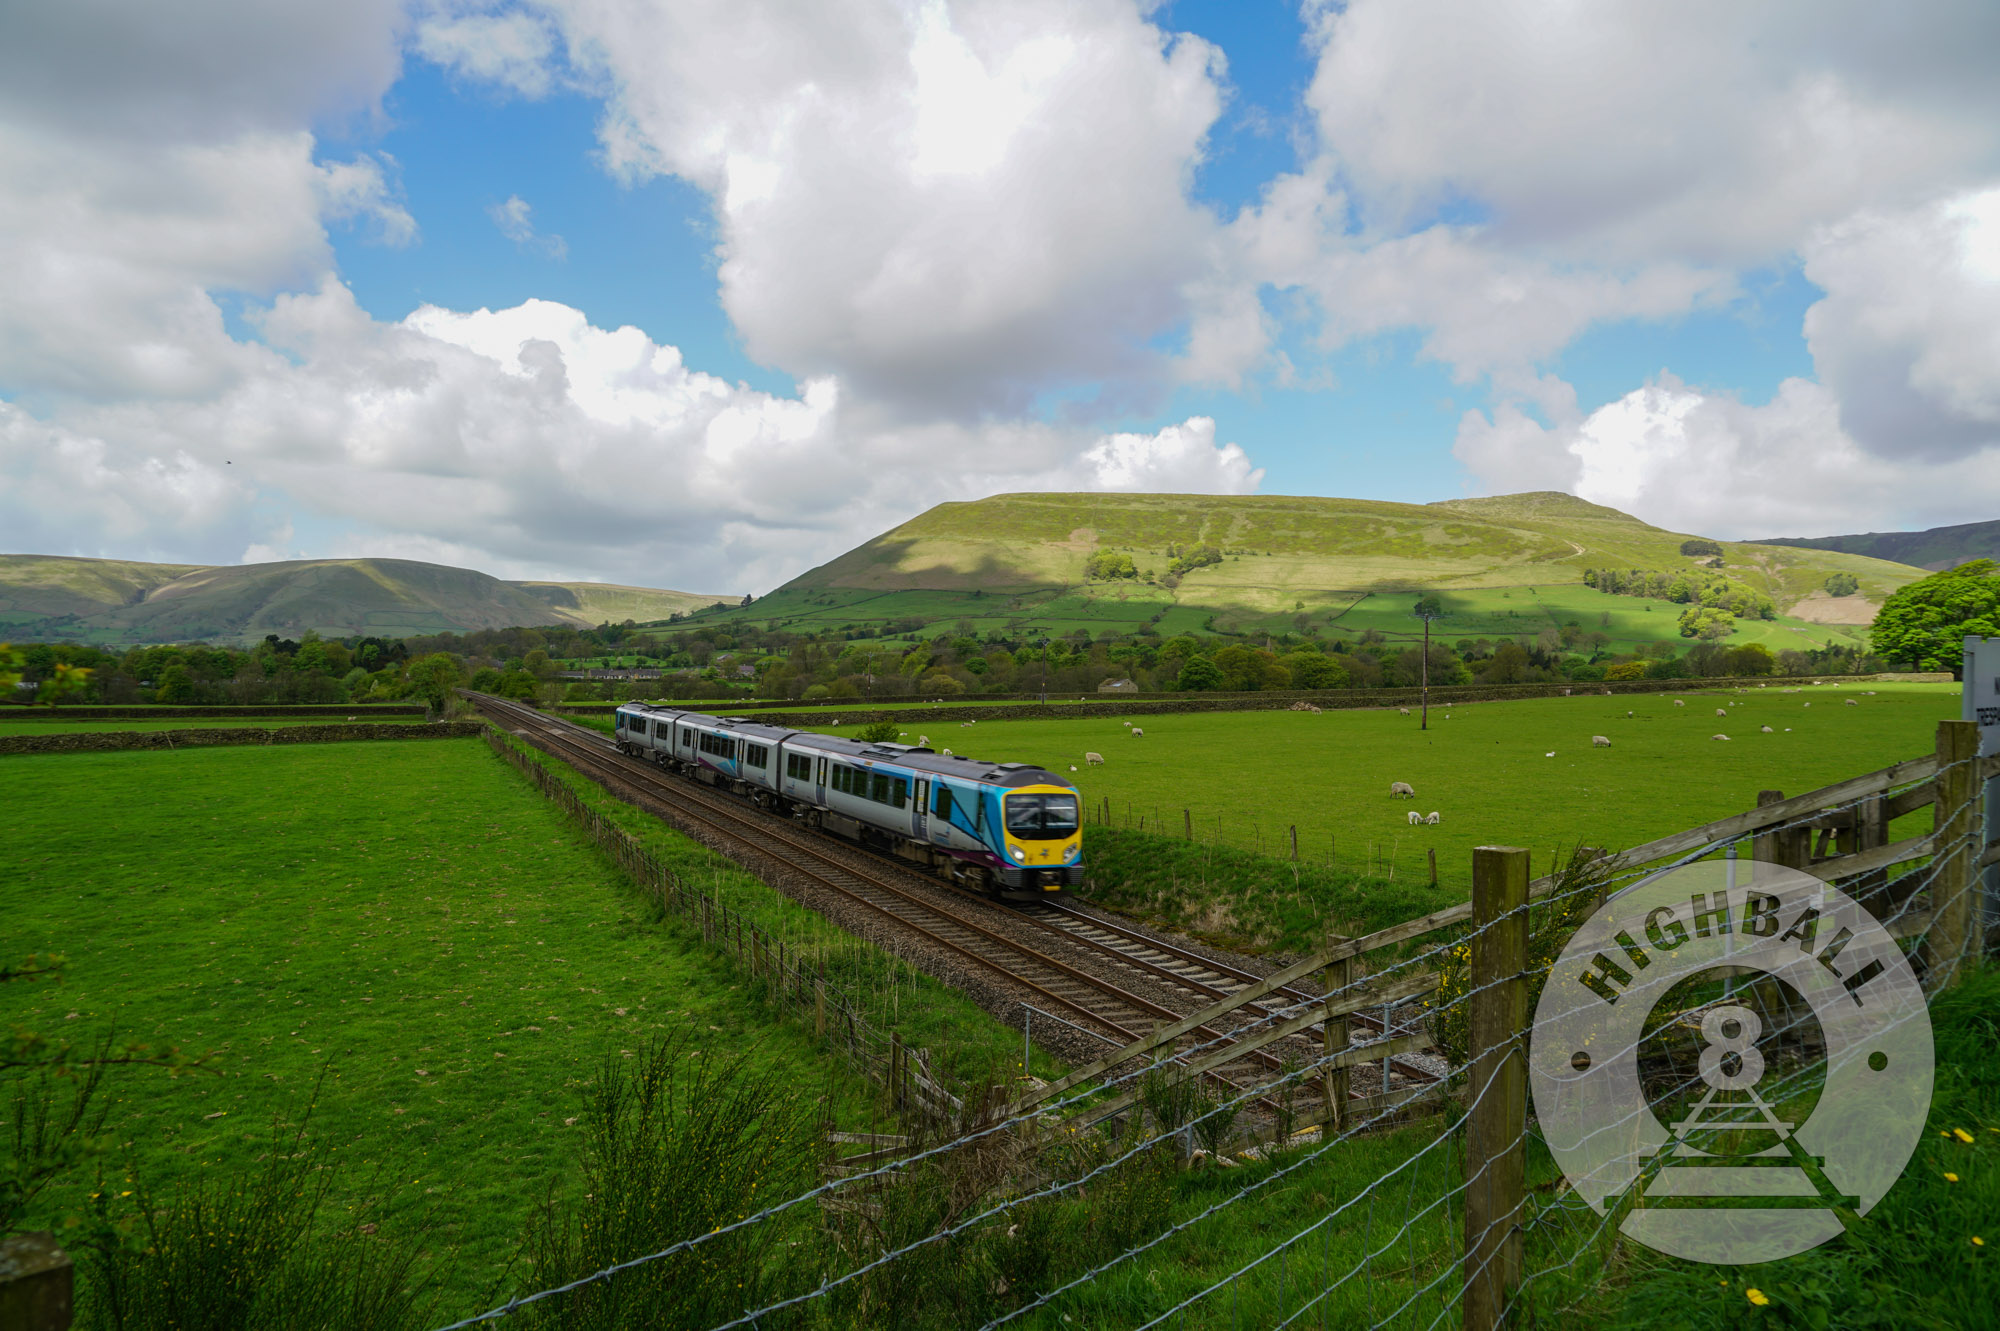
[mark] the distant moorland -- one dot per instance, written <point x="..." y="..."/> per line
<point x="112" y="602"/>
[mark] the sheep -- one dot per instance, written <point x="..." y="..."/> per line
<point x="945" y="753"/>
<point x="1402" y="788"/>
<point x="1628" y="713"/>
<point x="923" y="741"/>
<point x="1404" y="710"/>
<point x="1094" y="759"/>
<point x="1072" y="767"/>
<point x="1433" y="818"/>
<point x="1722" y="711"/>
<point x="1718" y="737"/>
<point x="1127" y="724"/>
<point x="1805" y="704"/>
<point x="1767" y="730"/>
<point x="1600" y="742"/>
<point x="1679" y="703"/>
<point x="1136" y="732"/>
<point x="354" y="718"/>
<point x="1550" y="754"/>
<point x="1415" y="818"/>
<point x="1850" y="702"/>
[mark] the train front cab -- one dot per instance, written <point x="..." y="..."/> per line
<point x="1041" y="835"/>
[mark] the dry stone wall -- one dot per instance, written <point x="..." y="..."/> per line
<point x="105" y="741"/>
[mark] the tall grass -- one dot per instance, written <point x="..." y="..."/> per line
<point x="248" y="1251"/>
<point x="679" y="1142"/>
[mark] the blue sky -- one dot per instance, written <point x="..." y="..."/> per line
<point x="342" y="282"/>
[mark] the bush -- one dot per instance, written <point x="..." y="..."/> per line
<point x="881" y="732"/>
<point x="1625" y="670"/>
<point x="1843" y="584"/>
<point x="1699" y="547"/>
<point x="940" y="686"/>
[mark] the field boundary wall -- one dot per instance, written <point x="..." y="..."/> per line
<point x="1181" y="704"/>
<point x="791" y="983"/>
<point x="150" y="712"/>
<point x="107" y="741"/>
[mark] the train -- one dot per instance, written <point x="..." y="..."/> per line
<point x="1010" y="831"/>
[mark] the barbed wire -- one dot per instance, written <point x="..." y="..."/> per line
<point x="1623" y="876"/>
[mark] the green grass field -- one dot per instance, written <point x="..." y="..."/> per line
<point x="1247" y="776"/>
<point x="414" y="920"/>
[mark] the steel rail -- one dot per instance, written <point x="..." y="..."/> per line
<point x="712" y="809"/>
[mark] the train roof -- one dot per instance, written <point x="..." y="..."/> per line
<point x="913" y="757"/>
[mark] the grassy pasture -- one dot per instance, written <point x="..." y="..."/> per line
<point x="415" y="920"/>
<point x="1247" y="776"/>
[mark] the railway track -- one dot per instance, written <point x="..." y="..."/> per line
<point x="1081" y="967"/>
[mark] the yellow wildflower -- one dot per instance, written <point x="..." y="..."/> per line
<point x="1756" y="1296"/>
<point x="1962" y="1135"/>
<point x="1978" y="1242"/>
<point x="1951" y="1178"/>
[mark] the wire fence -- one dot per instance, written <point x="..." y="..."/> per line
<point x="1461" y="1218"/>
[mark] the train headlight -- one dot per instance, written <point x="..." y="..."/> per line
<point x="1017" y="852"/>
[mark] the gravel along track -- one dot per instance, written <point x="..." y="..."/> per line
<point x="1108" y="981"/>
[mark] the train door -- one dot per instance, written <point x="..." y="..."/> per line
<point x="922" y="823"/>
<point x="819" y="785"/>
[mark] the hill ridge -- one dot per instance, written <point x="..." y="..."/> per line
<point x="109" y="601"/>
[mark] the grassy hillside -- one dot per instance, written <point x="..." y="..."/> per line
<point x="115" y="602"/>
<point x="607" y="602"/>
<point x="1508" y="564"/>
<point x="1937" y="548"/>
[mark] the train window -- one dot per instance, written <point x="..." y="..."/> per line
<point x="880" y="792"/>
<point x="941" y="804"/>
<point x="798" y="767"/>
<point x="900" y="796"/>
<point x="756" y="755"/>
<point x="659" y="728"/>
<point x="842" y="779"/>
<point x="722" y="746"/>
<point x="1041" y="817"/>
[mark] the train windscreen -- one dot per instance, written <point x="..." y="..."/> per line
<point x="1042" y="817"/>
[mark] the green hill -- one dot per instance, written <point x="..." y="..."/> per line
<point x="1508" y="564"/>
<point x="115" y="602"/>
<point x="1937" y="548"/>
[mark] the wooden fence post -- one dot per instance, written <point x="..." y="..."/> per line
<point x="1333" y="1040"/>
<point x="1496" y="1121"/>
<point x="1952" y="879"/>
<point x="36" y="1283"/>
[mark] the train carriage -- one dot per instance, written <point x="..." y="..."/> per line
<point x="1007" y="829"/>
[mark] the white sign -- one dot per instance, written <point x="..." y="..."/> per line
<point x="1982" y="691"/>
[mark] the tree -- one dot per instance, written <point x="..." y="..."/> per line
<point x="433" y="677"/>
<point x="176" y="685"/>
<point x="1199" y="674"/>
<point x="1925" y="623"/>
<point x="1699" y="547"/>
<point x="1707" y="623"/>
<point x="1311" y="670"/>
<point x="1752" y="658"/>
<point x="1842" y="584"/>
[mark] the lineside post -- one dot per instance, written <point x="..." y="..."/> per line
<point x="1496" y="1122"/>
<point x="1952" y="914"/>
<point x="1334" y="1040"/>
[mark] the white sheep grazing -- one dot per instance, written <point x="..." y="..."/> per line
<point x="923" y="741"/>
<point x="1679" y="703"/>
<point x="1805" y="704"/>
<point x="1600" y="742"/>
<point x="1415" y="818"/>
<point x="1072" y="767"/>
<point x="1768" y="731"/>
<point x="1094" y="759"/>
<point x="1850" y="702"/>
<point x="1433" y="818"/>
<point x="1550" y="754"/>
<point x="1136" y="732"/>
<point x="1718" y="737"/>
<point x="1628" y="713"/>
<point x="1402" y="788"/>
<point x="1405" y="711"/>
<point x="1722" y="711"/>
<point x="945" y="753"/>
<point x="1127" y="725"/>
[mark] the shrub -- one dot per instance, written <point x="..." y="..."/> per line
<point x="881" y="732"/>
<point x="1843" y="584"/>
<point x="1699" y="547"/>
<point x="1625" y="670"/>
